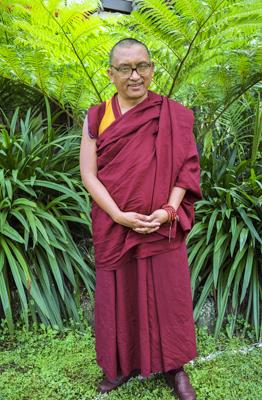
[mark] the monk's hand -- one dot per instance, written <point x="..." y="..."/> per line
<point x="159" y="217"/>
<point x="138" y="222"/>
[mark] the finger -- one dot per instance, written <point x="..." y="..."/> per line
<point x="141" y="230"/>
<point x="151" y="217"/>
<point x="153" y="230"/>
<point x="155" y="220"/>
<point x="142" y="217"/>
<point x="146" y="230"/>
<point x="148" y="224"/>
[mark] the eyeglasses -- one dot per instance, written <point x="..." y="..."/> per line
<point x="125" y="71"/>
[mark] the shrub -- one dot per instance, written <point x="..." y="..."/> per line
<point x="43" y="207"/>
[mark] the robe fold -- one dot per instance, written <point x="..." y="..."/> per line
<point x="141" y="156"/>
<point x="143" y="299"/>
<point x="144" y="315"/>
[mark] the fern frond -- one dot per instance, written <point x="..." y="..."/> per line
<point x="220" y="58"/>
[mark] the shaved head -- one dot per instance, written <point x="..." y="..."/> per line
<point x="127" y="42"/>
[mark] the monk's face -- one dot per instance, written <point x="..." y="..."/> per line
<point x="133" y="86"/>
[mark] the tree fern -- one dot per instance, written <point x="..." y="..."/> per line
<point x="48" y="45"/>
<point x="213" y="41"/>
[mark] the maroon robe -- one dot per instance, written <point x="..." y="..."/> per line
<point x="143" y="300"/>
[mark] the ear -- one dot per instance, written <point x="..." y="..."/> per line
<point x="110" y="75"/>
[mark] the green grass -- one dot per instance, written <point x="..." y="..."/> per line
<point x="45" y="364"/>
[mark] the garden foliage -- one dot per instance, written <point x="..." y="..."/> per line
<point x="207" y="55"/>
<point x="41" y="201"/>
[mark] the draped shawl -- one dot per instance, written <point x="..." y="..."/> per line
<point x="141" y="156"/>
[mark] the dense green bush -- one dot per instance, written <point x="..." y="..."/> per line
<point x="225" y="243"/>
<point x="42" y="207"/>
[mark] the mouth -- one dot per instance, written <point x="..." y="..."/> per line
<point x="136" y="85"/>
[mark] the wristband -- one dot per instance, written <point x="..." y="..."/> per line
<point x="172" y="213"/>
<point x="172" y="216"/>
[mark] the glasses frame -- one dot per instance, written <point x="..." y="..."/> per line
<point x="150" y="64"/>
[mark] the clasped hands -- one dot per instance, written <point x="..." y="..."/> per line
<point x="142" y="223"/>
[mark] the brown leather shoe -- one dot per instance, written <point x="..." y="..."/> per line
<point x="181" y="385"/>
<point x="107" y="385"/>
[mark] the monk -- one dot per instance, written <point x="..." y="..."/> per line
<point x="139" y="162"/>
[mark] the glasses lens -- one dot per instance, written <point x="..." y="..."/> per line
<point x="125" y="71"/>
<point x="143" y="68"/>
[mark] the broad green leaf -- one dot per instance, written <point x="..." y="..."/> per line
<point x="14" y="122"/>
<point x="42" y="229"/>
<point x="219" y="247"/>
<point x="15" y="274"/>
<point x="238" y="276"/>
<point x="6" y="302"/>
<point x="243" y="238"/>
<point x="52" y="302"/>
<point x="31" y="220"/>
<point x="3" y="218"/>
<point x="57" y="275"/>
<point x="235" y="237"/>
<point x="256" y="290"/>
<point x="2" y="259"/>
<point x="204" y="293"/>
<point x="39" y="300"/>
<point x="195" y="250"/>
<point x="221" y="314"/>
<point x="9" y="188"/>
<point x="60" y="188"/>
<point x="228" y="200"/>
<point x="26" y="189"/>
<point x="249" y="223"/>
<point x="49" y="217"/>
<point x="12" y="233"/>
<point x="199" y="262"/>
<point x="19" y="216"/>
<point x="43" y="273"/>
<point x="57" y="241"/>
<point x="211" y="225"/>
<point x="71" y="305"/>
<point x="68" y="269"/>
<point x="239" y="257"/>
<point x="43" y="243"/>
<point x="198" y="228"/>
<point x="219" y="224"/>
<point x="219" y="240"/>
<point x="20" y="258"/>
<point x="21" y="201"/>
<point x="73" y="219"/>
<point x="248" y="271"/>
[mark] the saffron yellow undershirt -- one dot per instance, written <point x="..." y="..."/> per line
<point x="108" y="117"/>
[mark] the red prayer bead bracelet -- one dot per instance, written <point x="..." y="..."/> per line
<point x="172" y="216"/>
<point x="172" y="213"/>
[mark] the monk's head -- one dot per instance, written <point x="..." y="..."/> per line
<point x="127" y="54"/>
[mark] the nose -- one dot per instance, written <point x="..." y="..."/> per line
<point x="136" y="76"/>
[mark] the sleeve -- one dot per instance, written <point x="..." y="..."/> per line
<point x="189" y="179"/>
<point x="86" y="128"/>
<point x="189" y="174"/>
<point x="94" y="117"/>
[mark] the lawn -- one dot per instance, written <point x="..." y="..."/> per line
<point x="45" y="364"/>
